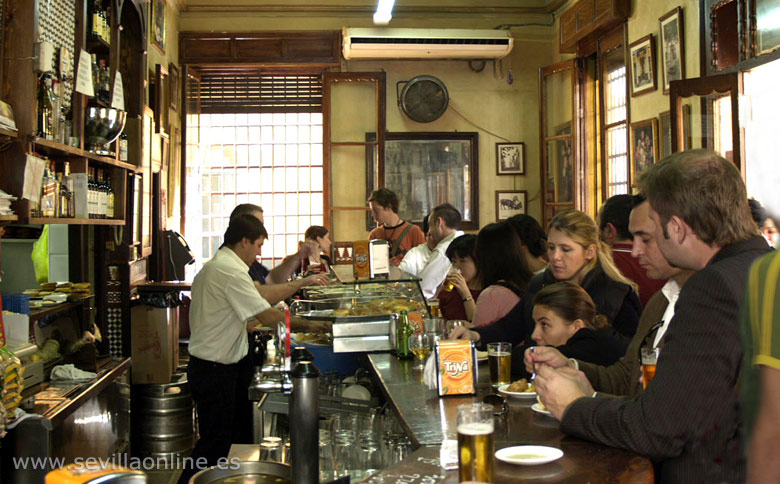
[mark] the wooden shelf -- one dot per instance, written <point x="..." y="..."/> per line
<point x="98" y="45"/>
<point x="7" y="132"/>
<point x="53" y="148"/>
<point x="9" y="218"/>
<point x="36" y="314"/>
<point x="75" y="221"/>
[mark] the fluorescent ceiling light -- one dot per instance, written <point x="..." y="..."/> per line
<point x="384" y="12"/>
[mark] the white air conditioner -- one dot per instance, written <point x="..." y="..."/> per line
<point x="426" y="43"/>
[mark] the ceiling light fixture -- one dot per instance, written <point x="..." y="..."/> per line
<point x="384" y="12"/>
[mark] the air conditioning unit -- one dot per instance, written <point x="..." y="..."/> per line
<point x="426" y="43"/>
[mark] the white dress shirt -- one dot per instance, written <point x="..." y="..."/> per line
<point x="223" y="300"/>
<point x="414" y="260"/>
<point x="435" y="269"/>
<point x="672" y="291"/>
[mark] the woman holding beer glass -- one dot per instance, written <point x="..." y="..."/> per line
<point x="502" y="272"/>
<point x="578" y="256"/>
<point x="458" y="301"/>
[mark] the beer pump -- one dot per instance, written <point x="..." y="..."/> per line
<point x="298" y="377"/>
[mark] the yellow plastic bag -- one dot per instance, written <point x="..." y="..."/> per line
<point x="40" y="256"/>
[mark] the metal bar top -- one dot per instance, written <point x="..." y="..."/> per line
<point x="428" y="419"/>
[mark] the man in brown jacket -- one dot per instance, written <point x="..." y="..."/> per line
<point x="687" y="420"/>
<point x="622" y="378"/>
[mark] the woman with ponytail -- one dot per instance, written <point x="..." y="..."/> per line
<point x="576" y="255"/>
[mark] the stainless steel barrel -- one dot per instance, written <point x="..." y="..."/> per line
<point x="162" y="423"/>
<point x="259" y="472"/>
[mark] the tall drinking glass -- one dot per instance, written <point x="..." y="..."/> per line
<point x="475" y="442"/>
<point x="649" y="360"/>
<point x="500" y="363"/>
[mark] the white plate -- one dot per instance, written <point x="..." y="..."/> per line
<point x="528" y="455"/>
<point x="482" y="355"/>
<point x="503" y="389"/>
<point x="538" y="408"/>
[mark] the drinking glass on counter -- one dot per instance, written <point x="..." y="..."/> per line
<point x="420" y="344"/>
<point x="649" y="359"/>
<point x="475" y="442"/>
<point x="500" y="363"/>
<point x="454" y="323"/>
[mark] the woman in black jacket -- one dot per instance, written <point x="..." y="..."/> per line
<point x="576" y="255"/>
<point x="566" y="318"/>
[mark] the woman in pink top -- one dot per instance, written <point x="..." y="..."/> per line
<point x="502" y="270"/>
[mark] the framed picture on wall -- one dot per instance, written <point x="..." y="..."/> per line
<point x="510" y="202"/>
<point x="173" y="86"/>
<point x="672" y="45"/>
<point x="158" y="24"/>
<point x="665" y="130"/>
<point x="644" y="145"/>
<point x="510" y="158"/>
<point x="642" y="54"/>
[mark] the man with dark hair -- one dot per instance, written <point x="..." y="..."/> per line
<point x="401" y="235"/>
<point x="687" y="419"/>
<point x="225" y="306"/>
<point x="274" y="285"/>
<point x="533" y="240"/>
<point x="443" y="224"/>
<point x="613" y="226"/>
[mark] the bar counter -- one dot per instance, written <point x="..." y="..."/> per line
<point x="429" y="419"/>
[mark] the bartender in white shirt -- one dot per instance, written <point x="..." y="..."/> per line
<point x="225" y="306"/>
<point x="443" y="224"/>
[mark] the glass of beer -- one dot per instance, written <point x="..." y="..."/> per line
<point x="649" y="359"/>
<point x="475" y="442"/>
<point x="449" y="282"/>
<point x="500" y="363"/>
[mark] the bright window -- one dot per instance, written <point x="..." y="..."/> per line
<point x="273" y="160"/>
<point x="616" y="127"/>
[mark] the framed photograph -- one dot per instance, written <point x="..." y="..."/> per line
<point x="510" y="202"/>
<point x="665" y="129"/>
<point x="561" y="167"/>
<point x="160" y="97"/>
<point x="672" y="45"/>
<point x="510" y="158"/>
<point x="173" y="86"/>
<point x="426" y="169"/>
<point x="644" y="145"/>
<point x="158" y="24"/>
<point x="642" y="54"/>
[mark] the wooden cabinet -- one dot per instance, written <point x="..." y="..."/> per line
<point x="70" y="30"/>
<point x="587" y="20"/>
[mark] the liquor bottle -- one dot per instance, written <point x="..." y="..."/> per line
<point x="63" y="197"/>
<point x="103" y="195"/>
<point x="92" y="194"/>
<point x="48" y="193"/>
<point x="67" y="182"/>
<point x="110" y="208"/>
<point x="95" y="75"/>
<point x="45" y="108"/>
<point x="123" y="147"/>
<point x="94" y="20"/>
<point x="402" y="339"/>
<point x="104" y="82"/>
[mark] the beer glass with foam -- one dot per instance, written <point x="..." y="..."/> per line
<point x="649" y="359"/>
<point x="500" y="363"/>
<point x="475" y="442"/>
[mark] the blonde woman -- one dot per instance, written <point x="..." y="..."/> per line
<point x="576" y="255"/>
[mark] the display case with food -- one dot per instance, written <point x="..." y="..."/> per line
<point x="361" y="312"/>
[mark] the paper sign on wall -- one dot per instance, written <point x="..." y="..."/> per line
<point x="33" y="176"/>
<point x="84" y="75"/>
<point x="118" y="96"/>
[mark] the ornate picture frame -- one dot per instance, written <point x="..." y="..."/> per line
<point x="510" y="202"/>
<point x="672" y="45"/>
<point x="510" y="158"/>
<point x="642" y="62"/>
<point x="173" y="86"/>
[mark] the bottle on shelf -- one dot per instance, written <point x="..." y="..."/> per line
<point x="91" y="194"/>
<point x="94" y="20"/>
<point x="49" y="193"/>
<point x="110" y="204"/>
<point x="102" y="195"/>
<point x="123" y="147"/>
<point x="104" y="82"/>
<point x="46" y="112"/>
<point x="95" y="75"/>
<point x="67" y="184"/>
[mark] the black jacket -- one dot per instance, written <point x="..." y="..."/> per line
<point x="615" y="300"/>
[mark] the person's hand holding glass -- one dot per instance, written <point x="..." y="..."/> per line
<point x="420" y="344"/>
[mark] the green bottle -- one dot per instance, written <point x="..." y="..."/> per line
<point x="404" y="331"/>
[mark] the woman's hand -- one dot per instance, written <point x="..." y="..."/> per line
<point x="546" y="355"/>
<point x="315" y="280"/>
<point x="462" y="332"/>
<point x="460" y="284"/>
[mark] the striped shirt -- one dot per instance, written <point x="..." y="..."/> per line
<point x="760" y="330"/>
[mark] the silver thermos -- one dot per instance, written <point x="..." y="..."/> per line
<point x="304" y="423"/>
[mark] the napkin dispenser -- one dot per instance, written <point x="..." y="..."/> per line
<point x="379" y="259"/>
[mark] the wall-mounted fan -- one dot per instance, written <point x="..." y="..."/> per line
<point x="423" y="98"/>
